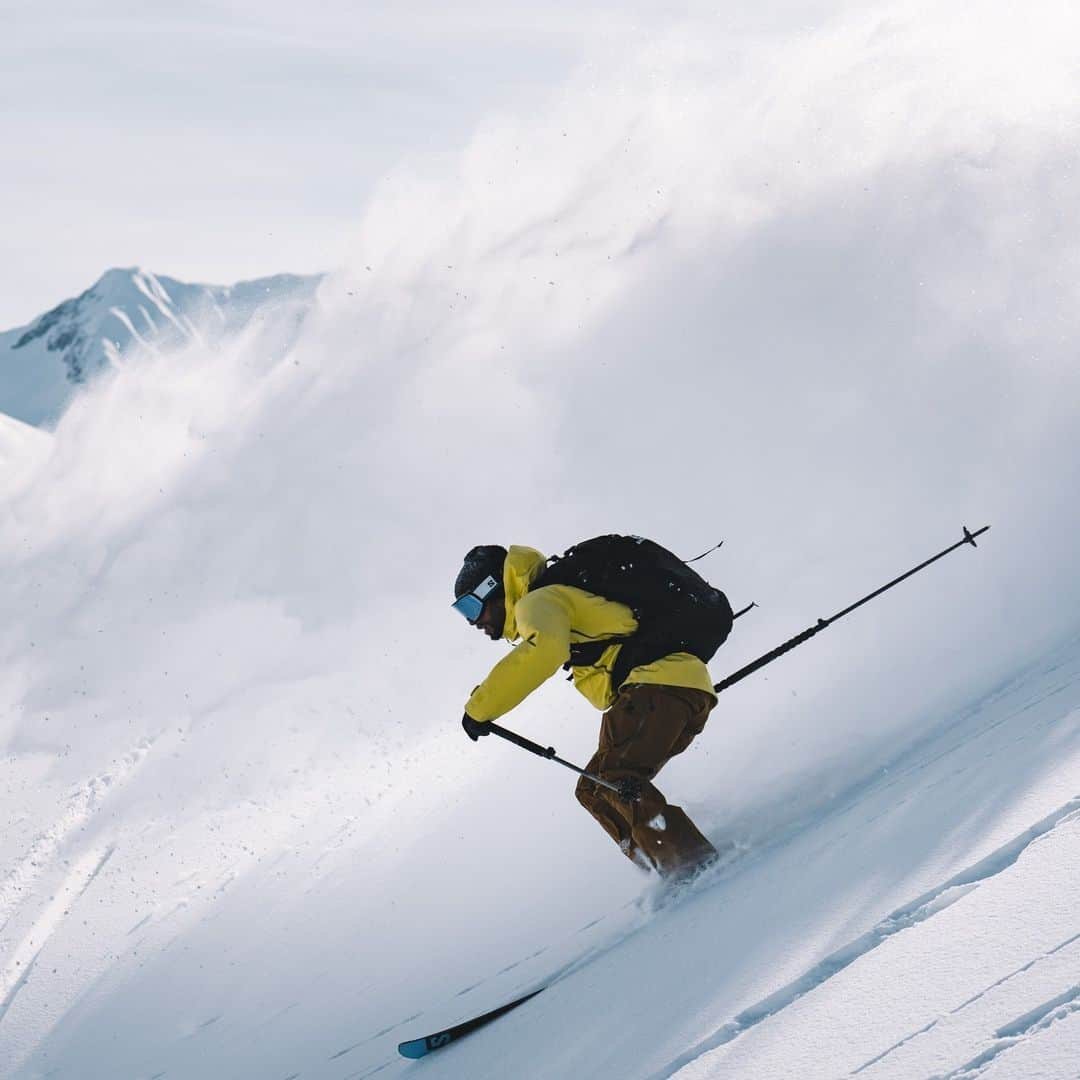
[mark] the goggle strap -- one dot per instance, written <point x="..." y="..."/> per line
<point x="485" y="588"/>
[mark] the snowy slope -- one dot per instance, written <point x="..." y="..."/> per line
<point x="922" y="923"/>
<point x="43" y="364"/>
<point x="925" y="924"/>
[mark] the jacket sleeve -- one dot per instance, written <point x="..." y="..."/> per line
<point x="543" y="621"/>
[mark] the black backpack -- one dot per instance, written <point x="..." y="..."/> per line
<point x="677" y="610"/>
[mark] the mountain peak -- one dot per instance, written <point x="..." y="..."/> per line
<point x="44" y="363"/>
<point x="119" y="275"/>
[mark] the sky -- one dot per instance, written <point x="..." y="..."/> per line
<point x="217" y="141"/>
<point x="220" y="141"/>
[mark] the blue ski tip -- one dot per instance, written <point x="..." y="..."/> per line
<point x="415" y="1048"/>
<point x="418" y="1048"/>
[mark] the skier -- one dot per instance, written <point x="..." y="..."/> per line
<point x="651" y="712"/>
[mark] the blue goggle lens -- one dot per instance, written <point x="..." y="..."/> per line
<point x="471" y="605"/>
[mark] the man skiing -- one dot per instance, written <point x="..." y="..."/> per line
<point x="651" y="711"/>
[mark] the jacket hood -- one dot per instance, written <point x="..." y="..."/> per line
<point x="522" y="566"/>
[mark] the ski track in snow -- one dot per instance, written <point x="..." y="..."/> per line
<point x="1033" y="1023"/>
<point x="81" y="806"/>
<point x="372" y="1038"/>
<point x="371" y="1072"/>
<point x="1016" y="972"/>
<point x="17" y="970"/>
<point x="896" y="1046"/>
<point x="917" y="911"/>
<point x="1012" y="974"/>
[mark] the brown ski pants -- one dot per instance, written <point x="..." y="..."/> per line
<point x="645" y="728"/>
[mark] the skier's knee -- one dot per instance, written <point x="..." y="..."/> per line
<point x="585" y="792"/>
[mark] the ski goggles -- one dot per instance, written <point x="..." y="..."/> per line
<point x="471" y="605"/>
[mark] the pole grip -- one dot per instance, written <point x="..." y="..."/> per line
<point x="520" y="740"/>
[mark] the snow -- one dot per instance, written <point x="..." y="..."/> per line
<point x="893" y="936"/>
<point x="19" y="440"/>
<point x="907" y="934"/>
<point x="243" y="834"/>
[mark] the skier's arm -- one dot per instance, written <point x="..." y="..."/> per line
<point x="543" y="620"/>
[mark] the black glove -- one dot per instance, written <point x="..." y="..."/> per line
<point x="473" y="728"/>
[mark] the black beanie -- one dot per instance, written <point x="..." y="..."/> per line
<point x="479" y="563"/>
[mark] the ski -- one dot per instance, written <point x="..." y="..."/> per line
<point x="418" y="1048"/>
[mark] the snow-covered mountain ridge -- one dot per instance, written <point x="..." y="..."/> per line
<point x="44" y="363"/>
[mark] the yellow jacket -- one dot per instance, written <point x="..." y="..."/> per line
<point x="548" y="622"/>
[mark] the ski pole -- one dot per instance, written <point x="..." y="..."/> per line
<point x="626" y="789"/>
<point x="810" y="631"/>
